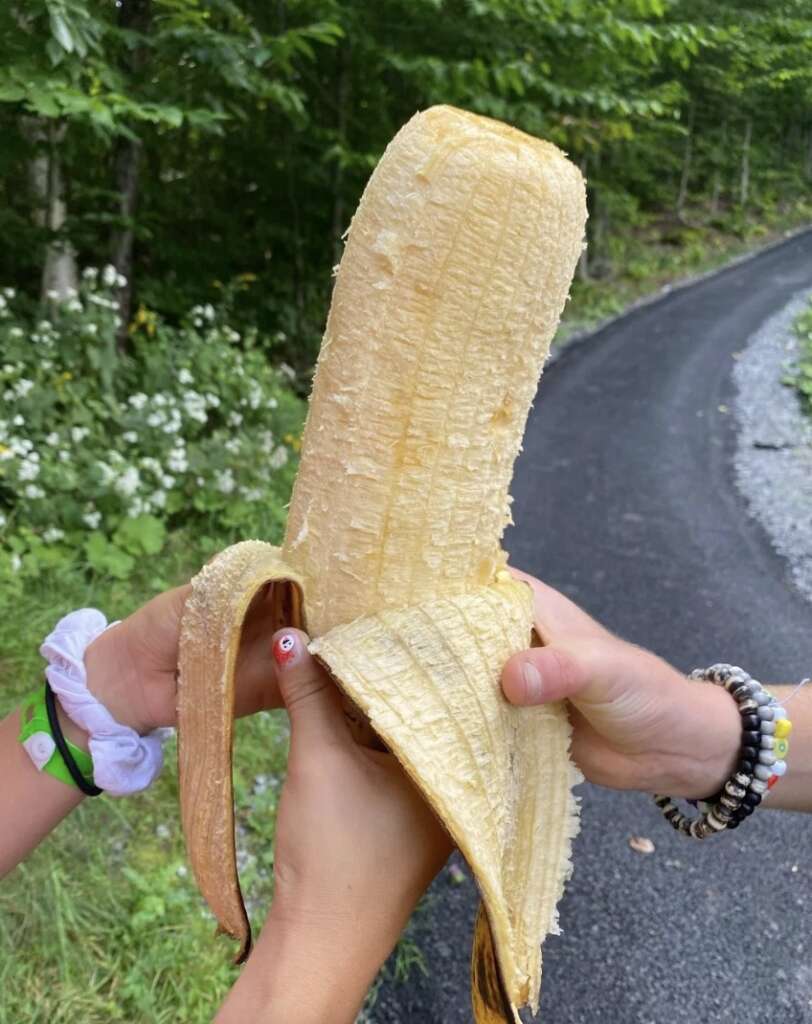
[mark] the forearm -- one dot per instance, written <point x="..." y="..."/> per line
<point x="32" y="803"/>
<point x="310" y="975"/>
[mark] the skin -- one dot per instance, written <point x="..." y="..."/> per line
<point x="638" y="723"/>
<point x="355" y="844"/>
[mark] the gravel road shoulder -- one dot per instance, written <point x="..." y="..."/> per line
<point x="773" y="458"/>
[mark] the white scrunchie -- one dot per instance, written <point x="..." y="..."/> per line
<point x="123" y="761"/>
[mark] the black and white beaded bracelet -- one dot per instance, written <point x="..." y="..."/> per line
<point x="765" y="743"/>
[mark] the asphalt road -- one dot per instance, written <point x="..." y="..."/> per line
<point x="625" y="500"/>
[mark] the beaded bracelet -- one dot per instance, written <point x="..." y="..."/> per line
<point x="765" y="744"/>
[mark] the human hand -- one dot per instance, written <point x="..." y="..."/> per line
<point x="356" y="847"/>
<point x="132" y="667"/>
<point x="637" y="722"/>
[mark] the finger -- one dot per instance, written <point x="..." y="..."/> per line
<point x="589" y="672"/>
<point x="312" y="701"/>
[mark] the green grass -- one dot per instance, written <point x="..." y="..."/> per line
<point x="653" y="254"/>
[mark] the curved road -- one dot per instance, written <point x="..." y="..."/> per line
<point x="625" y="500"/>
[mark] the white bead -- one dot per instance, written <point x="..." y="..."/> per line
<point x="780" y="768"/>
<point x="766" y="757"/>
<point x="778" y="713"/>
<point x="765" y="713"/>
<point x="40" y="748"/>
<point x="758" y="786"/>
<point x="761" y="697"/>
<point x="767" y="742"/>
<point x="767" y="728"/>
<point x="761" y="771"/>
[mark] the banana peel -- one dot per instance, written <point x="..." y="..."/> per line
<point x="456" y="269"/>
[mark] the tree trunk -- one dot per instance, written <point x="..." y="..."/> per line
<point x="127" y="160"/>
<point x="59" y="274"/>
<point x="809" y="153"/>
<point x="134" y="15"/>
<point x="744" y="185"/>
<point x="338" y="180"/>
<point x="682" y="195"/>
<point x="718" y="161"/>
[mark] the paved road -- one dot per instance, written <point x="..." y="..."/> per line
<point x="625" y="500"/>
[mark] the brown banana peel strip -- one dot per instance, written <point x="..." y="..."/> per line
<point x="456" y="269"/>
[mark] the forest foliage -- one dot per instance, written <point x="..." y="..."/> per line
<point x="189" y="141"/>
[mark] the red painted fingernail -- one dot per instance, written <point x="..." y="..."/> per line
<point x="284" y="649"/>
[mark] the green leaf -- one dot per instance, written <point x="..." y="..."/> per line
<point x="61" y="32"/>
<point x="108" y="559"/>
<point x="141" y="535"/>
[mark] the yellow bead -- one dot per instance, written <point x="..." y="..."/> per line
<point x="783" y="727"/>
<point x="780" y="748"/>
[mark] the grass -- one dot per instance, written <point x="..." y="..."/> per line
<point x="103" y="923"/>
<point x="653" y="254"/>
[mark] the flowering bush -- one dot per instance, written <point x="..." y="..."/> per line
<point x="103" y="451"/>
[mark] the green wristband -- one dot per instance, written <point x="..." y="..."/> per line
<point x="38" y="740"/>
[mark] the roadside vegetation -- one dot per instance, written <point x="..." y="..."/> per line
<point x="175" y="181"/>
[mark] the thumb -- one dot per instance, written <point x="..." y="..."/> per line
<point x="593" y="672"/>
<point x="312" y="701"/>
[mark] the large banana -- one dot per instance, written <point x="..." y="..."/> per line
<point x="456" y="269"/>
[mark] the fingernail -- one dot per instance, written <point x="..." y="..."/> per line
<point x="285" y="649"/>
<point x="532" y="683"/>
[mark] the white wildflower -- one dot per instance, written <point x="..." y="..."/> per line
<point x="109" y="276"/>
<point x="253" y="493"/>
<point x="231" y="335"/>
<point x="33" y="492"/>
<point x="15" y="332"/>
<point x="279" y="457"/>
<point x="45" y="325"/>
<point x="185" y="376"/>
<point x="16" y="562"/>
<point x="208" y="312"/>
<point x="64" y="456"/>
<point x="151" y="465"/>
<point x="106" y="472"/>
<point x="29" y="470"/>
<point x="52" y="439"/>
<point x="129" y="437"/>
<point x="233" y="445"/>
<point x="3" y="520"/>
<point x="23" y="386"/>
<point x="254" y="395"/>
<point x="91" y="329"/>
<point x="195" y="406"/>
<point x="138" y="400"/>
<point x="53" y="534"/>
<point x="90" y="274"/>
<point x="167" y="481"/>
<point x="158" y="499"/>
<point x="9" y="293"/>
<point x="224" y="481"/>
<point x="78" y="434"/>
<point x="177" y="460"/>
<point x="52" y="295"/>
<point x="127" y="484"/>
<point x="212" y="400"/>
<point x="234" y="419"/>
<point x="156" y="419"/>
<point x="74" y="306"/>
<point x="18" y="421"/>
<point x="92" y="519"/>
<point x="121" y="281"/>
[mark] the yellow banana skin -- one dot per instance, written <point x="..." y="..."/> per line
<point x="456" y="269"/>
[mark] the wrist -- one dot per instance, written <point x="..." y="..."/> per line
<point x="304" y="969"/>
<point x="706" y="742"/>
<point x="111" y="681"/>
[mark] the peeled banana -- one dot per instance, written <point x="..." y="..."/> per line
<point x="456" y="269"/>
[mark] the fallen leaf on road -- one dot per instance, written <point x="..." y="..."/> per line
<point x="641" y="844"/>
